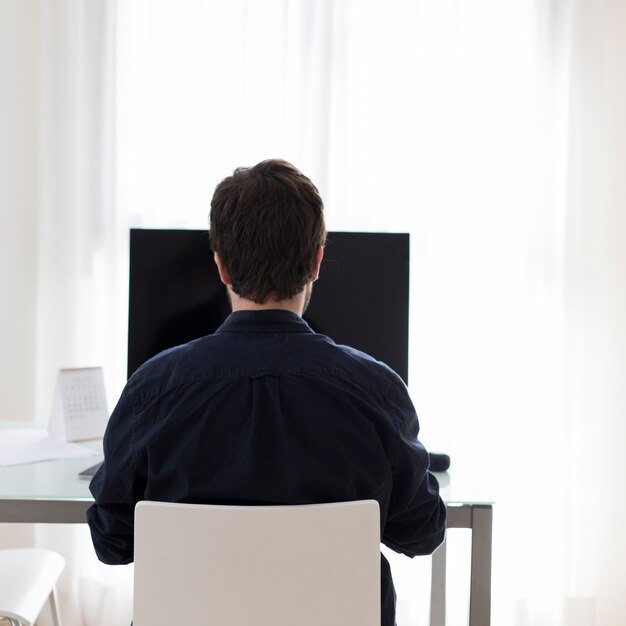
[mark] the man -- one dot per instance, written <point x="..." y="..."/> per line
<point x="265" y="411"/>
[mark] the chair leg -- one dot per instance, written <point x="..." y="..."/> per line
<point x="54" y="607"/>
<point x="54" y="611"/>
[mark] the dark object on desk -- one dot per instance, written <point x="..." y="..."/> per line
<point x="439" y="462"/>
<point x="90" y="471"/>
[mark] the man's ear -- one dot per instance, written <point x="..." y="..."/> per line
<point x="224" y="277"/>
<point x="317" y="261"/>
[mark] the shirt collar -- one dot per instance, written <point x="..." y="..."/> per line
<point x="266" y="321"/>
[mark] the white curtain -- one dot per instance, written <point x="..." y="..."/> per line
<point x="595" y="309"/>
<point x="492" y="131"/>
<point x="81" y="249"/>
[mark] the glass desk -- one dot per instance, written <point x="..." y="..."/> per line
<point x="51" y="492"/>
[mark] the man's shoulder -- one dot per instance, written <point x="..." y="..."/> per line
<point x="361" y="367"/>
<point x="172" y="365"/>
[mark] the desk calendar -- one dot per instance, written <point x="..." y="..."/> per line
<point x="79" y="409"/>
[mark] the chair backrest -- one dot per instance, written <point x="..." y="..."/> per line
<point x="306" y="565"/>
<point x="27" y="579"/>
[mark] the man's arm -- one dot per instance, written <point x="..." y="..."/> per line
<point x="117" y="487"/>
<point x="416" y="519"/>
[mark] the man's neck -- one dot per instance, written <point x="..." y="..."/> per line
<point x="295" y="304"/>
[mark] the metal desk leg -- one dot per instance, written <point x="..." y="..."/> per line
<point x="480" y="590"/>
<point x="438" y="587"/>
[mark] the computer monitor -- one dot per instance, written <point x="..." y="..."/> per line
<point x="361" y="298"/>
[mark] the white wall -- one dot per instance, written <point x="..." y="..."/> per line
<point x="20" y="22"/>
<point x="19" y="113"/>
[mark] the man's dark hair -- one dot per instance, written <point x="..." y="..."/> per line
<point x="266" y="224"/>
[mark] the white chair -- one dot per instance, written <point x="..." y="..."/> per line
<point x="27" y="579"/>
<point x="208" y="565"/>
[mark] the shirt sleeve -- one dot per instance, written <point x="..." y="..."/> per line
<point x="416" y="519"/>
<point x="116" y="487"/>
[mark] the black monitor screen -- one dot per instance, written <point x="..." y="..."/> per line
<point x="361" y="298"/>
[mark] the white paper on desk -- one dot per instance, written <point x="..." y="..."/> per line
<point x="29" y="445"/>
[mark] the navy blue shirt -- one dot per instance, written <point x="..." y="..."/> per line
<point x="265" y="411"/>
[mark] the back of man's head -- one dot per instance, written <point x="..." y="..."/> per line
<point x="266" y="225"/>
